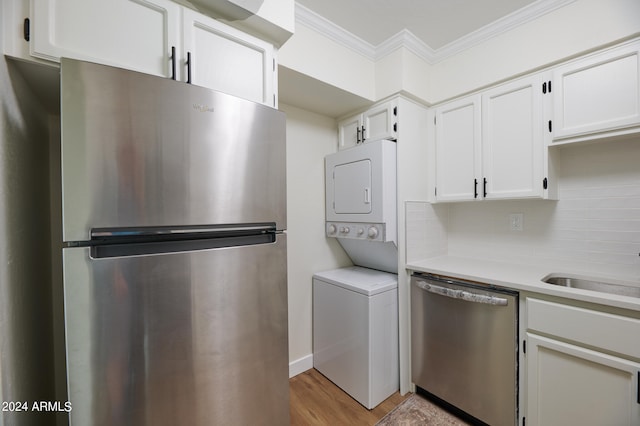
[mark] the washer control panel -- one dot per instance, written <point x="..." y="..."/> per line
<point x="358" y="231"/>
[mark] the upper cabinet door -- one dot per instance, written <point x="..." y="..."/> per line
<point x="600" y="93"/>
<point x="226" y="59"/>
<point x="380" y="122"/>
<point x="512" y="139"/>
<point x="458" y="145"/>
<point x="350" y="132"/>
<point x="133" y="34"/>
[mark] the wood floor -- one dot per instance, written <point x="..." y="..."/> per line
<point x="315" y="400"/>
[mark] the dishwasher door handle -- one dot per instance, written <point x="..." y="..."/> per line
<point x="467" y="296"/>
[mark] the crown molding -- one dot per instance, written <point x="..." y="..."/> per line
<point x="408" y="40"/>
<point x="310" y="19"/>
<point x="521" y="16"/>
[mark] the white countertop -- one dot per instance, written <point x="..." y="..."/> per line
<point x="526" y="278"/>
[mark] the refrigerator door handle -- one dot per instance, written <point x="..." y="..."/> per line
<point x="108" y="233"/>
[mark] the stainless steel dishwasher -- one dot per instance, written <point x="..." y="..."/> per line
<point x="464" y="346"/>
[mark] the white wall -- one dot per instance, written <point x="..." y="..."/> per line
<point x="309" y="138"/>
<point x="316" y="56"/>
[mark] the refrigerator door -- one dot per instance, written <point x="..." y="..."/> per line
<point x="183" y="338"/>
<point x="140" y="150"/>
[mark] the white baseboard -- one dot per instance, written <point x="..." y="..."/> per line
<point x="300" y="365"/>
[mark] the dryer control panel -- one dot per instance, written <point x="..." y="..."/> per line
<point x="357" y="231"/>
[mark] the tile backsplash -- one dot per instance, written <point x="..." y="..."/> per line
<point x="595" y="223"/>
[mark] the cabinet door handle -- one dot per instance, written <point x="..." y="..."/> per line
<point x="484" y="185"/>
<point x="188" y="67"/>
<point x="475" y="188"/>
<point x="173" y="62"/>
<point x="26" y="29"/>
<point x="358" y="135"/>
<point x="363" y="137"/>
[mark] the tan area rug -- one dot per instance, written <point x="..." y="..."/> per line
<point x="418" y="411"/>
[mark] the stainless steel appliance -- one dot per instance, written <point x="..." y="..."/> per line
<point x="175" y="260"/>
<point x="464" y="346"/>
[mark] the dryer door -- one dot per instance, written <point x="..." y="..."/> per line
<point x="352" y="187"/>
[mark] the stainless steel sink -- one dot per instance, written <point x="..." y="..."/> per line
<point x="593" y="285"/>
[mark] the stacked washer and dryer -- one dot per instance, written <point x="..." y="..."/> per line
<point x="355" y="309"/>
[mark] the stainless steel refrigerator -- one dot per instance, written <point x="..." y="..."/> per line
<point x="175" y="257"/>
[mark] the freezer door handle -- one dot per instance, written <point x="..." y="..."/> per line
<point x="467" y="296"/>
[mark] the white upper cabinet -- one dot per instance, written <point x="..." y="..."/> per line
<point x="378" y="122"/>
<point x="156" y="37"/>
<point x="598" y="95"/>
<point x="458" y="150"/>
<point x="224" y="58"/>
<point x="492" y="145"/>
<point x="133" y="34"/>
<point x="512" y="139"/>
<point x="349" y="132"/>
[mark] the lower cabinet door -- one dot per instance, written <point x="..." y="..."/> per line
<point x="571" y="385"/>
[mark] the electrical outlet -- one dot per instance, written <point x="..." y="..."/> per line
<point x="516" y="221"/>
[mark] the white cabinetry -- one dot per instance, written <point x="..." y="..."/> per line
<point x="512" y="140"/>
<point x="598" y="95"/>
<point x="226" y="59"/>
<point x="379" y="122"/>
<point x="134" y="34"/>
<point x="586" y="372"/>
<point x="157" y="37"/>
<point x="492" y="145"/>
<point x="458" y="150"/>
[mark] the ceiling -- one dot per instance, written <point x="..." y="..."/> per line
<point x="435" y="22"/>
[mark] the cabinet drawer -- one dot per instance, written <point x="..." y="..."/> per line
<point x="599" y="329"/>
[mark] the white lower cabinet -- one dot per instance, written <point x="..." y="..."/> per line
<point x="582" y="366"/>
<point x="571" y="385"/>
